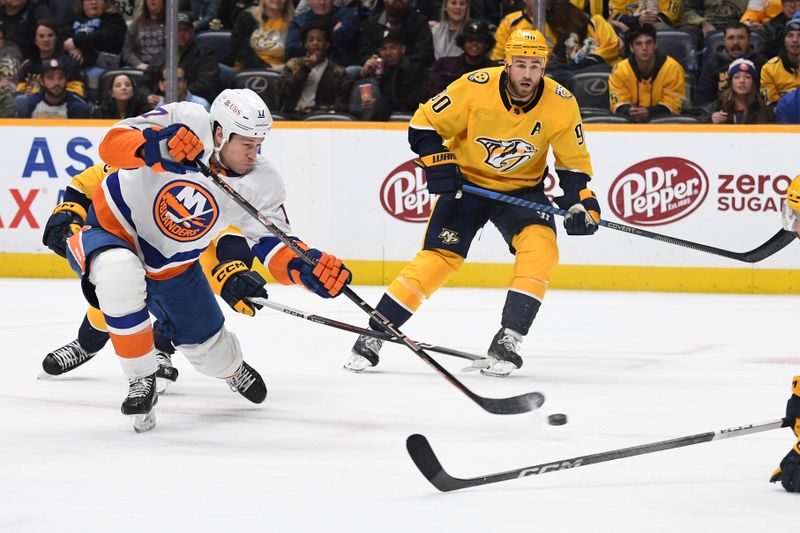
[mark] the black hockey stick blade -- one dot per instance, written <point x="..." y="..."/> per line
<point x="776" y="243"/>
<point x="503" y="406"/>
<point x="424" y="457"/>
<point x="511" y="406"/>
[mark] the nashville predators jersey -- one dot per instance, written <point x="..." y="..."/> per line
<point x="500" y="145"/>
<point x="778" y="77"/>
<point x="86" y="182"/>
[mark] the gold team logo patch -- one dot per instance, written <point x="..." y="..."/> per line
<point x="563" y="93"/>
<point x="506" y="155"/>
<point x="478" y="77"/>
<point x="184" y="211"/>
<point x="448" y="236"/>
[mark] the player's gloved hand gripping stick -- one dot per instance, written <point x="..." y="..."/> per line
<point x="514" y="405"/>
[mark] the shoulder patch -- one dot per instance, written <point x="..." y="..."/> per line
<point x="563" y="93"/>
<point x="479" y="77"/>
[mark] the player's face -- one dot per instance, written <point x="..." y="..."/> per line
<point x="736" y="42"/>
<point x="643" y="48"/>
<point x="742" y="83"/>
<point x="474" y="47"/>
<point x="524" y="75"/>
<point x="239" y="153"/>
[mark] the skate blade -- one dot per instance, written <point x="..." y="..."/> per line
<point x="356" y="364"/>
<point x="498" y="369"/>
<point x="478" y="364"/>
<point x="145" y="422"/>
<point x="162" y="385"/>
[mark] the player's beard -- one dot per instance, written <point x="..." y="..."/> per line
<point x="520" y="92"/>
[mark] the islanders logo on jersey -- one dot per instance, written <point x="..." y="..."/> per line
<point x="506" y="155"/>
<point x="185" y="211"/>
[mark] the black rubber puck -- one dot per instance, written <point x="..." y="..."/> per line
<point x="557" y="419"/>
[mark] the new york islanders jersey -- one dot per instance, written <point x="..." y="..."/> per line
<point x="169" y="219"/>
<point x="499" y="145"/>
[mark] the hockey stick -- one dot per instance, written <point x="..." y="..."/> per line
<point x="776" y="243"/>
<point x="361" y="331"/>
<point x="499" y="406"/>
<point x="422" y="454"/>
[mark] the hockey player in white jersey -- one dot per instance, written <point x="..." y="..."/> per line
<point x="149" y="222"/>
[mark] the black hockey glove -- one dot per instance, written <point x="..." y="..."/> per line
<point x="66" y="219"/>
<point x="234" y="282"/>
<point x="584" y="212"/>
<point x="443" y="175"/>
<point x="789" y="471"/>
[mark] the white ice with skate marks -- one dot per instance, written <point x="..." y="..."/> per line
<point x="326" y="451"/>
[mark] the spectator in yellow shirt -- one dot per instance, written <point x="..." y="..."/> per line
<point x="648" y="84"/>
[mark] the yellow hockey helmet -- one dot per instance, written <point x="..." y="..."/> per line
<point x="529" y="43"/>
<point x="793" y="194"/>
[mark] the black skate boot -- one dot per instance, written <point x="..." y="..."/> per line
<point x="139" y="404"/>
<point x="364" y="354"/>
<point x="166" y="373"/>
<point x="65" y="359"/>
<point x="503" y="353"/>
<point x="247" y="382"/>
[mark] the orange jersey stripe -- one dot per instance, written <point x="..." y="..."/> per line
<point x="170" y="272"/>
<point x="119" y="146"/>
<point x="134" y="345"/>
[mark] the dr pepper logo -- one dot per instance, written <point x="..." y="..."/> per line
<point x="404" y="194"/>
<point x="658" y="191"/>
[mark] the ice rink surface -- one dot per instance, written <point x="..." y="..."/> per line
<point x="326" y="451"/>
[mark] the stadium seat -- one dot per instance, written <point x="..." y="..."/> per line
<point x="680" y="46"/>
<point x="400" y="117"/>
<point x="676" y="119"/>
<point x="324" y="116"/>
<point x="262" y="82"/>
<point x="591" y="91"/>
<point x="219" y="41"/>
<point x="691" y="88"/>
<point x="108" y="76"/>
<point x="277" y="117"/>
<point x="605" y="119"/>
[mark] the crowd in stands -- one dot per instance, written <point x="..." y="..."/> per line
<point x="732" y="61"/>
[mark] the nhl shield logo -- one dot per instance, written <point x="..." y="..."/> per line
<point x="506" y="155"/>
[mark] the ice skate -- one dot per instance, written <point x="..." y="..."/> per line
<point x="139" y="404"/>
<point x="503" y="354"/>
<point x="166" y="373"/>
<point x="364" y="354"/>
<point x="247" y="382"/>
<point x="64" y="359"/>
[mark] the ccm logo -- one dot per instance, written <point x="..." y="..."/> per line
<point x="563" y="465"/>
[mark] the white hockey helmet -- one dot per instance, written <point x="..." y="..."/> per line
<point x="240" y="111"/>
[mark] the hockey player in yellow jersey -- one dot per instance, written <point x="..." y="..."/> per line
<point x="494" y="128"/>
<point x="788" y="473"/>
